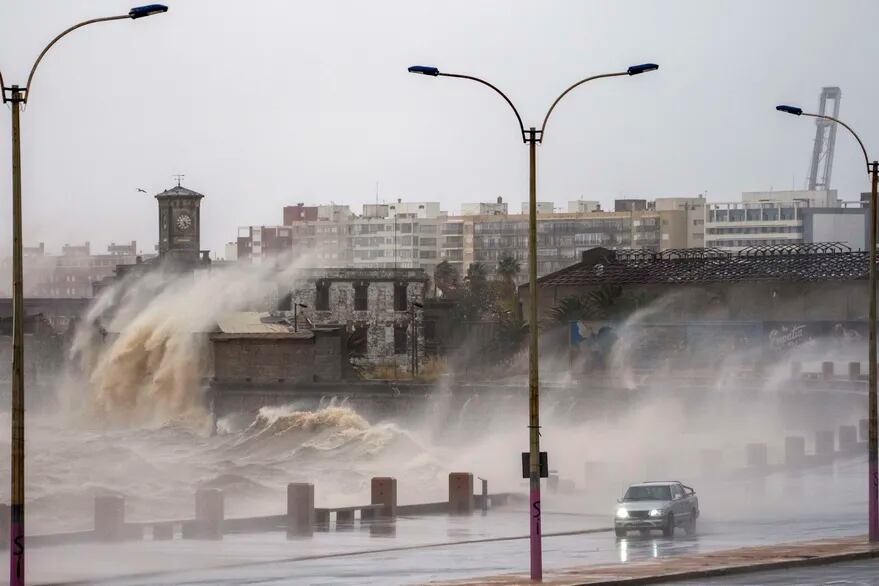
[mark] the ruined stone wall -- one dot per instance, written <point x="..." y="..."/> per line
<point x="380" y="316"/>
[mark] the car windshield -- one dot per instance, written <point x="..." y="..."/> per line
<point x="648" y="493"/>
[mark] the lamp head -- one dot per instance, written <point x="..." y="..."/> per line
<point x="148" y="10"/>
<point x="643" y="68"/>
<point x="424" y="70"/>
<point x="790" y="110"/>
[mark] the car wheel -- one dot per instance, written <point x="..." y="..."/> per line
<point x="620" y="532"/>
<point x="669" y="529"/>
<point x="690" y="527"/>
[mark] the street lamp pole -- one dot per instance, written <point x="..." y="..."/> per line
<point x="532" y="137"/>
<point x="17" y="97"/>
<point x="873" y="433"/>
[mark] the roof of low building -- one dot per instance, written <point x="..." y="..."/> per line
<point x="789" y="262"/>
<point x="275" y="324"/>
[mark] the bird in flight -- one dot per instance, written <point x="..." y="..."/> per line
<point x="141" y="190"/>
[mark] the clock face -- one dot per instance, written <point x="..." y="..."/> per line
<point x="184" y="221"/>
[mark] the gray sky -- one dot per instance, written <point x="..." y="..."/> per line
<point x="263" y="104"/>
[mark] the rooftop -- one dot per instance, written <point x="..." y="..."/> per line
<point x="178" y="191"/>
<point x="786" y="262"/>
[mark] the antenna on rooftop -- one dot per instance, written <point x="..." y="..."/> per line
<point x="179" y="178"/>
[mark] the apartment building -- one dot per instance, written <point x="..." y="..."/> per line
<point x="764" y="218"/>
<point x="73" y="273"/>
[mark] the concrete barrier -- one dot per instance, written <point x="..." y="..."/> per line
<point x="794" y="451"/>
<point x="163" y="531"/>
<point x="848" y="438"/>
<point x="109" y="518"/>
<point x="854" y="371"/>
<point x="827" y="370"/>
<point x="209" y="515"/>
<point x="460" y="493"/>
<point x="757" y="455"/>
<point x="345" y="519"/>
<point x="383" y="491"/>
<point x="300" y="509"/>
<point x="825" y="444"/>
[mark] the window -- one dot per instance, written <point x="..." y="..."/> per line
<point x="361" y="296"/>
<point x="322" y="297"/>
<point x="400" y="297"/>
<point x="358" y="340"/>
<point x="676" y="492"/>
<point x="399" y="339"/>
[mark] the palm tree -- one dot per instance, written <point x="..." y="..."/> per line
<point x="445" y="276"/>
<point x="476" y="277"/>
<point x="509" y="268"/>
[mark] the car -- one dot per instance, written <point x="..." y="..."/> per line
<point x="657" y="505"/>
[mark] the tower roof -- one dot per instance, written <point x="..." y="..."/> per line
<point x="178" y="191"/>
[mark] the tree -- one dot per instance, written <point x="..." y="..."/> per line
<point x="477" y="275"/>
<point x="508" y="268"/>
<point x="446" y="277"/>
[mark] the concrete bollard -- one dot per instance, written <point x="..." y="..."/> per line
<point x="383" y="491"/>
<point x="848" y="438"/>
<point x="300" y="509"/>
<point x="757" y="455"/>
<point x="827" y="370"/>
<point x="109" y="518"/>
<point x="710" y="461"/>
<point x="863" y="430"/>
<point x="321" y="520"/>
<point x="796" y="369"/>
<point x="209" y="515"/>
<point x="794" y="451"/>
<point x="344" y="519"/>
<point x="854" y="371"/>
<point x="4" y="526"/>
<point x="484" y="483"/>
<point x="163" y="531"/>
<point x="460" y="493"/>
<point x="825" y="444"/>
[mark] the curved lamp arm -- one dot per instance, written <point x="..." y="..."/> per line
<point x="134" y="13"/>
<point x="564" y="93"/>
<point x="502" y="94"/>
<point x="849" y="128"/>
<point x="794" y="110"/>
<point x="55" y="40"/>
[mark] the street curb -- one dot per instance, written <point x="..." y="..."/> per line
<point x="739" y="569"/>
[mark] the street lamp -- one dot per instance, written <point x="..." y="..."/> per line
<point x="532" y="137"/>
<point x="873" y="434"/>
<point x="17" y="96"/>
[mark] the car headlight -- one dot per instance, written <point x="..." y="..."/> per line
<point x="622" y="514"/>
<point x="656" y="512"/>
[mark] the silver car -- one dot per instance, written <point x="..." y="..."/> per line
<point x="660" y="506"/>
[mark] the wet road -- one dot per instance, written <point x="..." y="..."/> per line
<point x="816" y="504"/>
<point x="859" y="573"/>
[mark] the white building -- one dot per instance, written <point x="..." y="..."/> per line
<point x="485" y="209"/>
<point x="543" y="207"/>
<point x="762" y="218"/>
<point x="583" y="206"/>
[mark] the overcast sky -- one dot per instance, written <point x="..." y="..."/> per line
<point x="263" y="104"/>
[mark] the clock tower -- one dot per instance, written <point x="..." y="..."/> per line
<point x="179" y="225"/>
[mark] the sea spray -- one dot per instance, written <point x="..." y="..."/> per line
<point x="143" y="347"/>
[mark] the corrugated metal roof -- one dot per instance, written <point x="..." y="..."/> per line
<point x="781" y="263"/>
